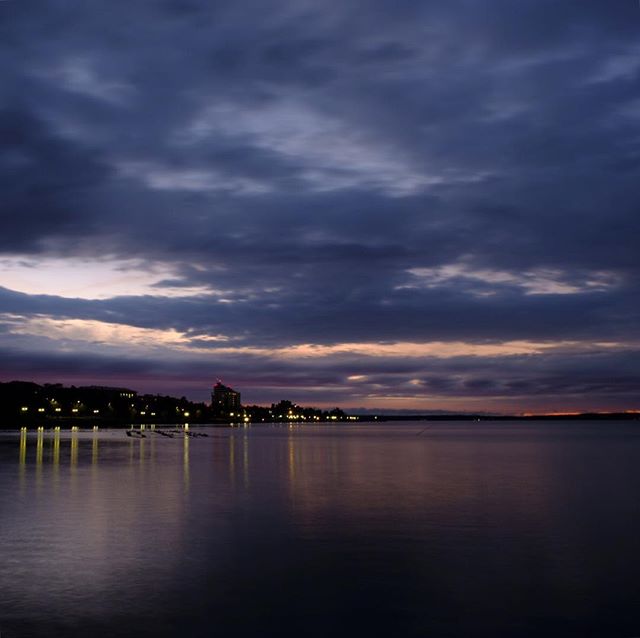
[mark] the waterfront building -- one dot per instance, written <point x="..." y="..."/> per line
<point x="225" y="401"/>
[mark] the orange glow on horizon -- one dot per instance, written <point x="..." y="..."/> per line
<point x="579" y="412"/>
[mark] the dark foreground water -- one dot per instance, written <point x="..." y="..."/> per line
<point x="398" y="530"/>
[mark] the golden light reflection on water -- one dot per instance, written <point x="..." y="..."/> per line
<point x="23" y="448"/>
<point x="39" y="455"/>
<point x="87" y="490"/>
<point x="55" y="453"/>
<point x="73" y="457"/>
<point x="51" y="466"/>
<point x="315" y="470"/>
<point x="39" y="448"/>
<point x="185" y="462"/>
<point x="51" y="440"/>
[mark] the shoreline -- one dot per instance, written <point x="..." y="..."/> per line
<point x="88" y="424"/>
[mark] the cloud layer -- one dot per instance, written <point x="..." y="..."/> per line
<point x="368" y="204"/>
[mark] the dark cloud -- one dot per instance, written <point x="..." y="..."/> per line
<point x="356" y="172"/>
<point x="47" y="182"/>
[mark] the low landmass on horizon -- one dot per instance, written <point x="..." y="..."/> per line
<point x="23" y="402"/>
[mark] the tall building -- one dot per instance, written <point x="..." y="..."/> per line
<point x="225" y="401"/>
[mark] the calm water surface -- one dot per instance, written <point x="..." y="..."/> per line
<point x="457" y="529"/>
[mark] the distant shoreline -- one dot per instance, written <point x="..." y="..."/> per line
<point x="85" y="423"/>
<point x="31" y="405"/>
<point x="585" y="416"/>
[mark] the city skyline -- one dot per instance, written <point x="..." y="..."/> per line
<point x="413" y="206"/>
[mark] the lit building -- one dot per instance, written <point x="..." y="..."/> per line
<point x="225" y="401"/>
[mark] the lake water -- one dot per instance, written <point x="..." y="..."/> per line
<point x="455" y="529"/>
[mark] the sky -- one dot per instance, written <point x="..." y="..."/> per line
<point x="387" y="205"/>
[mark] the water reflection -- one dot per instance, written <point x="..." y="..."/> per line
<point x="55" y="455"/>
<point x="39" y="455"/>
<point x="73" y="455"/>
<point x="245" y="460"/>
<point x="22" y="459"/>
<point x="232" y="459"/>
<point x="185" y="462"/>
<point x="52" y="441"/>
<point x="93" y="530"/>
<point x="39" y="447"/>
<point x="22" y="450"/>
<point x="152" y="450"/>
<point x="94" y="450"/>
<point x="141" y="446"/>
<point x="292" y="459"/>
<point x="361" y="530"/>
